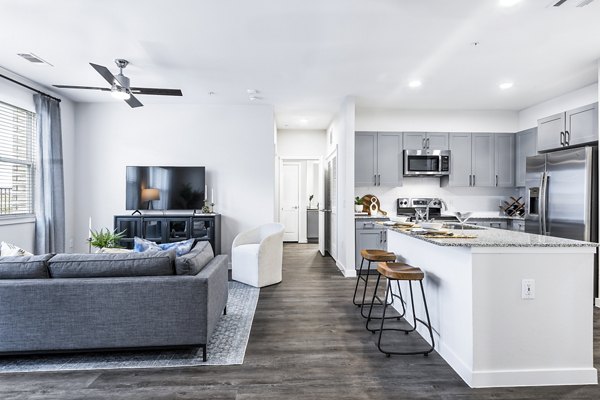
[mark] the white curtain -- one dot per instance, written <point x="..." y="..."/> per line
<point x="49" y="182"/>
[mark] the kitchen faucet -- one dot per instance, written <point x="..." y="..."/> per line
<point x="432" y="202"/>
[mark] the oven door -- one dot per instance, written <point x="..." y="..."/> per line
<point x="416" y="162"/>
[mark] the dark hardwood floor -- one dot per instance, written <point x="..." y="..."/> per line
<point x="307" y="342"/>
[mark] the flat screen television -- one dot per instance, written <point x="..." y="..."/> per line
<point x="165" y="188"/>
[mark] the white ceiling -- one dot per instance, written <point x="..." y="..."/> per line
<point x="305" y="56"/>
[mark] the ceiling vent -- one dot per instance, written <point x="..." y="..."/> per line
<point x="578" y="3"/>
<point x="33" y="58"/>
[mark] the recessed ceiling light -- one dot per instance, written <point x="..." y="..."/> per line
<point x="251" y="91"/>
<point x="303" y="121"/>
<point x="508" y="3"/>
<point x="505" y="85"/>
<point x="254" y="98"/>
<point x="415" y="84"/>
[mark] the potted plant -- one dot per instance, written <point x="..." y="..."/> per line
<point x="358" y="204"/>
<point x="106" y="238"/>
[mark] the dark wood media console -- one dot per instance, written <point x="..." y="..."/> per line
<point x="170" y="228"/>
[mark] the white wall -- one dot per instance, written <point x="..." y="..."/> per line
<point x="395" y="120"/>
<point x="528" y="117"/>
<point x="301" y="143"/>
<point x="19" y="231"/>
<point x="234" y="143"/>
<point x="342" y="137"/>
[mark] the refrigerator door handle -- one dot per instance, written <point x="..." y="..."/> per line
<point x="543" y="197"/>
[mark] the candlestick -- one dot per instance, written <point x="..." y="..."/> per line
<point x="90" y="228"/>
<point x="212" y="195"/>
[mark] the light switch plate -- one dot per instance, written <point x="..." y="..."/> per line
<point x="528" y="289"/>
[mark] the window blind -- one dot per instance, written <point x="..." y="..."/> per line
<point x="17" y="159"/>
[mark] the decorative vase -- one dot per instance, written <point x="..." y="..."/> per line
<point x="358" y="208"/>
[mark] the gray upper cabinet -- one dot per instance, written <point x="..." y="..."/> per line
<point x="378" y="159"/>
<point x="570" y="128"/>
<point x="437" y="141"/>
<point x="505" y="159"/>
<point x="414" y="140"/>
<point x="460" y="159"/>
<point x="525" y="147"/>
<point x="478" y="159"/>
<point x="482" y="160"/>
<point x="365" y="159"/>
<point x="581" y="125"/>
<point x="425" y="141"/>
<point x="389" y="159"/>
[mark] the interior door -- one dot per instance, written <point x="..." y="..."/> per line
<point x="331" y="205"/>
<point x="289" y="192"/>
<point x="321" y="201"/>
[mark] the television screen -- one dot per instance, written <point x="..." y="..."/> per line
<point x="165" y="188"/>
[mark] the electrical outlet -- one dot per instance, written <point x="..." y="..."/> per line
<point x="528" y="289"/>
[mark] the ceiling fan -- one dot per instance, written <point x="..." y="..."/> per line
<point x="119" y="85"/>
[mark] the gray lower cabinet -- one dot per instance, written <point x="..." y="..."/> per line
<point x="570" y="128"/>
<point x="369" y="235"/>
<point x="378" y="159"/>
<point x="526" y="146"/>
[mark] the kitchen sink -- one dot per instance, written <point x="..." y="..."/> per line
<point x="458" y="226"/>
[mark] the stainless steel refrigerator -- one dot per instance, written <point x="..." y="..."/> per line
<point x="562" y="194"/>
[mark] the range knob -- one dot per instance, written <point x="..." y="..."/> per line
<point x="403" y="202"/>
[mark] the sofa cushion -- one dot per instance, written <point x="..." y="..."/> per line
<point x="9" y="249"/>
<point x="24" y="267"/>
<point x="152" y="263"/>
<point x="194" y="261"/>
<point x="141" y="245"/>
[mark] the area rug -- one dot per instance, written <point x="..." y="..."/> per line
<point x="226" y="347"/>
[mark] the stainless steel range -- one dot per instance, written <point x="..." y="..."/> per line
<point x="411" y="207"/>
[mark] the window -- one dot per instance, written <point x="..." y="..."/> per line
<point x="17" y="160"/>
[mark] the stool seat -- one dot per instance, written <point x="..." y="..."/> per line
<point x="377" y="255"/>
<point x="400" y="271"/>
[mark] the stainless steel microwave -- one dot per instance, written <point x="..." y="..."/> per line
<point x="426" y="162"/>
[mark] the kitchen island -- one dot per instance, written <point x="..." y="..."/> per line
<point x="483" y="327"/>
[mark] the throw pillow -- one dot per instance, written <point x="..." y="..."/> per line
<point x="141" y="245"/>
<point x="194" y="261"/>
<point x="9" y="249"/>
<point x="180" y="248"/>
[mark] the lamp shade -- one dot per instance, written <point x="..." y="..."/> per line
<point x="150" y="194"/>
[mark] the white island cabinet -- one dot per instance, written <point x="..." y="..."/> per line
<point x="484" y="328"/>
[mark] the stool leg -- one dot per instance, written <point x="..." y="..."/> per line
<point x="358" y="279"/>
<point x="373" y="301"/>
<point x="385" y="306"/>
<point x="428" y="321"/>
<point x="403" y="313"/>
<point x="365" y="288"/>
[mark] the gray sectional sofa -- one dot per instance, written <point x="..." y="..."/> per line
<point x="75" y="302"/>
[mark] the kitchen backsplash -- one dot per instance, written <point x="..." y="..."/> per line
<point x="458" y="199"/>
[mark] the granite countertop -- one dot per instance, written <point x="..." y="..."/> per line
<point x="498" y="238"/>
<point x="382" y="217"/>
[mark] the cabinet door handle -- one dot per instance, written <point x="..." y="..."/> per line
<point x="470" y="180"/>
<point x="562" y="138"/>
<point x="496" y="180"/>
<point x="567" y="138"/>
<point x="428" y="143"/>
<point x="380" y="237"/>
<point x="375" y="180"/>
<point x="473" y="180"/>
<point x="423" y="143"/>
<point x="384" y="236"/>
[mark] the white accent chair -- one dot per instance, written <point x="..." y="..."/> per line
<point x="257" y="255"/>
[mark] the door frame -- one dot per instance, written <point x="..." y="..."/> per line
<point x="319" y="160"/>
<point x="281" y="175"/>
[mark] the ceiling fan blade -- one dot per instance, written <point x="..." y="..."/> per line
<point x="156" y="91"/>
<point x="106" y="74"/>
<point x="133" y="102"/>
<point x="82" y="87"/>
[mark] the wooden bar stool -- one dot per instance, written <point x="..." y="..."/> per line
<point x="400" y="272"/>
<point x="371" y="255"/>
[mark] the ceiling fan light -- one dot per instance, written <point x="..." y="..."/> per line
<point x="120" y="93"/>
